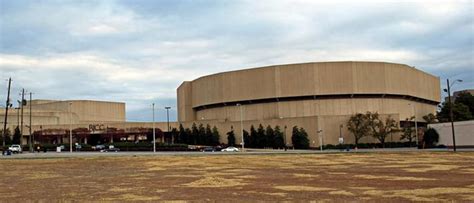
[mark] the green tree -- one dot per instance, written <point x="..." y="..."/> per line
<point x="253" y="137"/>
<point x="8" y="139"/>
<point x="430" y="118"/>
<point x="380" y="129"/>
<point x="269" y="137"/>
<point x="247" y="139"/>
<point x="174" y="135"/>
<point x="182" y="137"/>
<point x="188" y="134"/>
<point x="231" y="137"/>
<point x="299" y="138"/>
<point x="460" y="112"/>
<point x="201" y="140"/>
<point x="17" y="136"/>
<point x="408" y="130"/>
<point x="431" y="137"/>
<point x="194" y="134"/>
<point x="208" y="135"/>
<point x="260" y="139"/>
<point x="358" y="125"/>
<point x="467" y="99"/>
<point x="215" y="136"/>
<point x="279" y="139"/>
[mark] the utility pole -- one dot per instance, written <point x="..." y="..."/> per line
<point x="6" y="112"/>
<point x="22" y="104"/>
<point x="168" y="121"/>
<point x="241" y="127"/>
<point x="153" y="124"/>
<point x="70" y="127"/>
<point x="31" y="140"/>
<point x="451" y="115"/>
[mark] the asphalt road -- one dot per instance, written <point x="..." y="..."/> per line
<point x="193" y="153"/>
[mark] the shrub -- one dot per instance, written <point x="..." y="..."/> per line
<point x="430" y="138"/>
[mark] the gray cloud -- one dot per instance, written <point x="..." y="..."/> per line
<point x="139" y="52"/>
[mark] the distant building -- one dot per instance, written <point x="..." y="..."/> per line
<point x="456" y="94"/>
<point x="52" y="119"/>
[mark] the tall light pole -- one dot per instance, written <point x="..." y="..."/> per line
<point x="70" y="127"/>
<point x="416" y="124"/>
<point x="284" y="134"/>
<point x="320" y="132"/>
<point x="451" y="111"/>
<point x="168" y="120"/>
<point x="241" y="127"/>
<point x="30" y="137"/>
<point x="6" y="113"/>
<point x="168" y="117"/>
<point x="22" y="104"/>
<point x="153" y="125"/>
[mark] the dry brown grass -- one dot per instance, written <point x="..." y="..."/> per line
<point x="432" y="167"/>
<point x="305" y="175"/>
<point x="394" y="177"/>
<point x="341" y="192"/>
<point x="325" y="177"/>
<point x="215" y="182"/>
<point x="428" y="194"/>
<point x="302" y="188"/>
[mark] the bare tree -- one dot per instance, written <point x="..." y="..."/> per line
<point x="380" y="129"/>
<point x="358" y="126"/>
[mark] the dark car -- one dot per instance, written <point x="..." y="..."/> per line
<point x="111" y="149"/>
<point x="209" y="149"/>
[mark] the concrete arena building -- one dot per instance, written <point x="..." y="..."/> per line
<point x="315" y="96"/>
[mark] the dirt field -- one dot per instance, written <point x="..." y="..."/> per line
<point x="435" y="176"/>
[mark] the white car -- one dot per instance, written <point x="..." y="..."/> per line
<point x="15" y="148"/>
<point x="230" y="149"/>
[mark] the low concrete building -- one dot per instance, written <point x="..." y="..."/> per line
<point x="52" y="119"/>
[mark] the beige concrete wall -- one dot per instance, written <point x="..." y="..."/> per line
<point x="326" y="107"/>
<point x="185" y="111"/>
<point x="464" y="131"/>
<point x="314" y="79"/>
<point x="88" y="111"/>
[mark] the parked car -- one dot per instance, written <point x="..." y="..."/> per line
<point x="111" y="149"/>
<point x="15" y="148"/>
<point x="230" y="149"/>
<point x="99" y="147"/>
<point x="208" y="149"/>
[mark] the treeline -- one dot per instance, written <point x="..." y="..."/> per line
<point x="9" y="139"/>
<point x="260" y="137"/>
<point x="197" y="135"/>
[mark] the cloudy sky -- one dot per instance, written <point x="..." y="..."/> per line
<point x="139" y="51"/>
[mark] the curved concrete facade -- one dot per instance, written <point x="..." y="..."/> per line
<point x="326" y="92"/>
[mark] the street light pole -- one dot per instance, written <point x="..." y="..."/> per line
<point x="31" y="140"/>
<point x="168" y="120"/>
<point x="168" y="117"/>
<point x="451" y="111"/>
<point x="153" y="125"/>
<point x="6" y="113"/>
<point x="70" y="127"/>
<point x="320" y="140"/>
<point x="22" y="104"/>
<point x="241" y="128"/>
